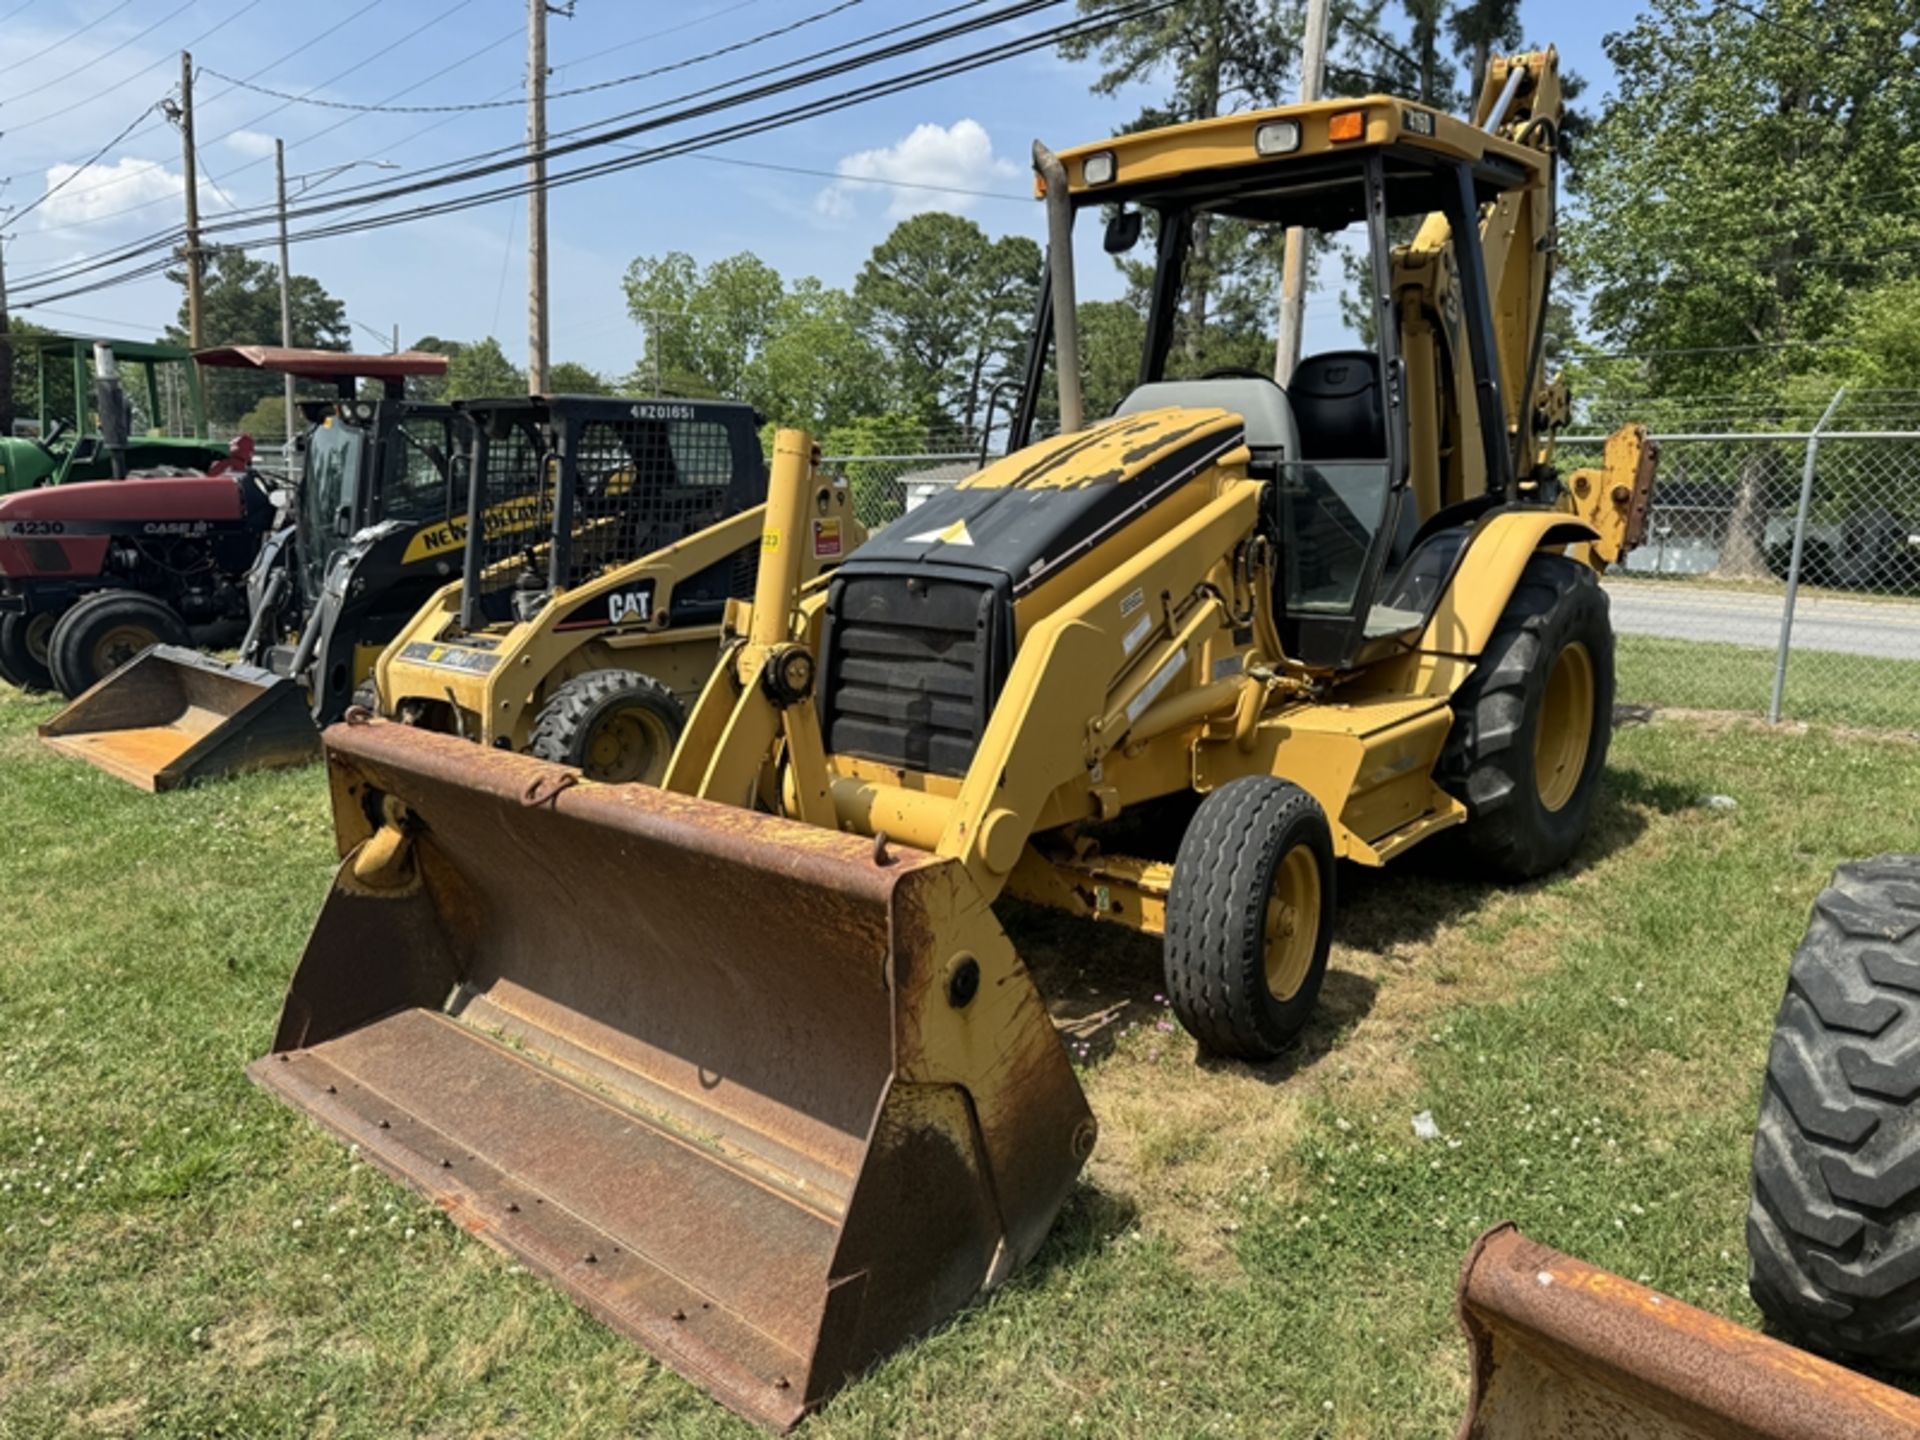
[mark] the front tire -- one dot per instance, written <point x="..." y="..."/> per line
<point x="1833" y="1220"/>
<point x="615" y="726"/>
<point x="1532" y="722"/>
<point x="1250" y="917"/>
<point x="23" y="650"/>
<point x="106" y="630"/>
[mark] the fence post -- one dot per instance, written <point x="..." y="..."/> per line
<point x="1793" y="563"/>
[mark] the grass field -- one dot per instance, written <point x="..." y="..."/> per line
<point x="1823" y="687"/>
<point x="1263" y="1253"/>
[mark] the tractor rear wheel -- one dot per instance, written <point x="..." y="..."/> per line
<point x="106" y="630"/>
<point x="615" y="726"/>
<point x="1532" y="722"/>
<point x="1833" y="1223"/>
<point x="23" y="650"/>
<point x="1250" y="917"/>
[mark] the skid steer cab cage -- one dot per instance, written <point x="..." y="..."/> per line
<point x="567" y="485"/>
<point x="769" y="1141"/>
<point x="1564" y="1351"/>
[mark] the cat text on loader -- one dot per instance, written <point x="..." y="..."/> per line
<point x="746" y="1063"/>
<point x="585" y="644"/>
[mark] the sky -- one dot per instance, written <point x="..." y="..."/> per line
<point x="80" y="79"/>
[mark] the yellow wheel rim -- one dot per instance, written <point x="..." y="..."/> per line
<point x="1565" y="732"/>
<point x="1293" y="922"/>
<point x="119" y="645"/>
<point x="628" y="746"/>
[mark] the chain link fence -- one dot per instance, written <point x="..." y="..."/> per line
<point x="1781" y="571"/>
<point x="885" y="487"/>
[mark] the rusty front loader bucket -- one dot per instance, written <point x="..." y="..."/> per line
<point x="763" y="1099"/>
<point x="1563" y="1351"/>
<point x="171" y="716"/>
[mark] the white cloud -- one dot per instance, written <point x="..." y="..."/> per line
<point x="250" y="143"/>
<point x="958" y="156"/>
<point x="103" y="189"/>
<point x="99" y="193"/>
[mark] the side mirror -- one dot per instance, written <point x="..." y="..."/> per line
<point x="1123" y="231"/>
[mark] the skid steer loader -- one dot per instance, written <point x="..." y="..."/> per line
<point x="352" y="555"/>
<point x="587" y="646"/>
<point x="796" y="1098"/>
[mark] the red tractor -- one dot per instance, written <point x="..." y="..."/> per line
<point x="91" y="573"/>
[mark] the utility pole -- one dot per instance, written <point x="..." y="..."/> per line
<point x="286" y="285"/>
<point x="6" y="349"/>
<point x="194" y="335"/>
<point x="536" y="197"/>
<point x="1293" y="272"/>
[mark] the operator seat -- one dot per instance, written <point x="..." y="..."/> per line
<point x="1340" y="405"/>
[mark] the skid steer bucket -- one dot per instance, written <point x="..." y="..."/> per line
<point x="1565" y="1351"/>
<point x="766" y="1098"/>
<point x="171" y="716"/>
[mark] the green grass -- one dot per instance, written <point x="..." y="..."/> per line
<point x="1823" y="687"/>
<point x="1252" y="1253"/>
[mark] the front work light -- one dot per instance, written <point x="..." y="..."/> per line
<point x="1097" y="169"/>
<point x="1277" y="137"/>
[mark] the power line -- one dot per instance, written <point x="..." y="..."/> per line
<point x="269" y="114"/>
<point x="82" y="169"/>
<point x="948" y="68"/>
<point x="74" y="35"/>
<point x="301" y="48"/>
<point x="473" y="105"/>
<point x="660" y="34"/>
<point x="516" y="154"/>
<point x="105" y="54"/>
<point x="854" y="179"/>
<point x="102" y="92"/>
<point x="516" y="148"/>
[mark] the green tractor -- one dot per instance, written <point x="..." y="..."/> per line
<point x="65" y="444"/>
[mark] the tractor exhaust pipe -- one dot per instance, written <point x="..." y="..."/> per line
<point x="1066" y="317"/>
<point x="110" y="399"/>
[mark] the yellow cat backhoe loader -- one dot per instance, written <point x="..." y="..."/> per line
<point x="746" y="1063"/>
<point x="582" y="635"/>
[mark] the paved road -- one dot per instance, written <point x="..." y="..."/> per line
<point x="1684" y="611"/>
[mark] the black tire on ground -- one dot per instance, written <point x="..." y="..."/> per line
<point x="23" y="650"/>
<point x="613" y="725"/>
<point x="1532" y="722"/>
<point x="1250" y="917"/>
<point x="1833" y="1223"/>
<point x="104" y="631"/>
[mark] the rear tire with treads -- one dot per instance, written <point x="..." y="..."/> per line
<point x="1532" y="722"/>
<point x="1833" y="1219"/>
<point x="1250" y="917"/>
<point x="23" y="650"/>
<point x="616" y="726"/>
<point x="104" y="631"/>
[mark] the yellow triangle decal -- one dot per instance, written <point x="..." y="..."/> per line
<point x="954" y="534"/>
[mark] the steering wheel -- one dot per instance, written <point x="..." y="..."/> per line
<point x="54" y="432"/>
<point x="1238" y="372"/>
